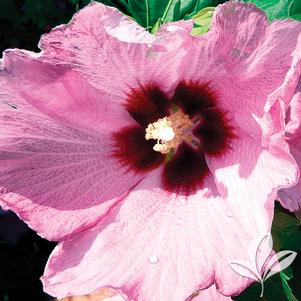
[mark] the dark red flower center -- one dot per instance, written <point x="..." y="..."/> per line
<point x="185" y="167"/>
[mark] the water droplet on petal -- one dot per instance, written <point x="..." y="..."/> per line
<point x="153" y="259"/>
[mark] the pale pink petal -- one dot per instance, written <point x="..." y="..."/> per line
<point x="102" y="18"/>
<point x="253" y="68"/>
<point x="162" y="246"/>
<point x="290" y="198"/>
<point x="210" y="294"/>
<point x="245" y="59"/>
<point x="91" y="44"/>
<point x="56" y="169"/>
<point x="117" y="24"/>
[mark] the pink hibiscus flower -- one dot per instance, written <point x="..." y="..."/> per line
<point x="154" y="161"/>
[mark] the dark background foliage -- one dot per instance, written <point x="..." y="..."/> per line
<point x="23" y="255"/>
<point x="23" y="21"/>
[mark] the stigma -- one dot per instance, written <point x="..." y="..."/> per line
<point x="170" y="131"/>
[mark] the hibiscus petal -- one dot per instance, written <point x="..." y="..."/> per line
<point x="86" y="44"/>
<point x="293" y="126"/>
<point x="249" y="174"/>
<point x="56" y="146"/>
<point x="161" y="247"/>
<point x="59" y="92"/>
<point x="249" y="179"/>
<point x="147" y="104"/>
<point x="290" y="198"/>
<point x="244" y="59"/>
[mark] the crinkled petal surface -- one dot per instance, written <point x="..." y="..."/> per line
<point x="290" y="198"/>
<point x="90" y="44"/>
<point x="244" y="60"/>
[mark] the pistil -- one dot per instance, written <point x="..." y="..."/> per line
<point x="170" y="131"/>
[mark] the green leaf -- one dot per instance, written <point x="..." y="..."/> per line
<point x="288" y="273"/>
<point x="177" y="11"/>
<point x="202" y="20"/>
<point x="286" y="231"/>
<point x="186" y="9"/>
<point x="273" y="291"/>
<point x="279" y="9"/>
<point x="153" y="13"/>
<point x="156" y="26"/>
<point x="286" y="287"/>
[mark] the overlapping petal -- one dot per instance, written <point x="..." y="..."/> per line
<point x="210" y="294"/>
<point x="290" y="198"/>
<point x="244" y="60"/>
<point x="90" y="44"/>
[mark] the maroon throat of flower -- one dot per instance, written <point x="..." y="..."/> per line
<point x="177" y="132"/>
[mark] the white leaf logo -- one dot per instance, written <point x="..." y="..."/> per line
<point x="279" y="262"/>
<point x="263" y="261"/>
